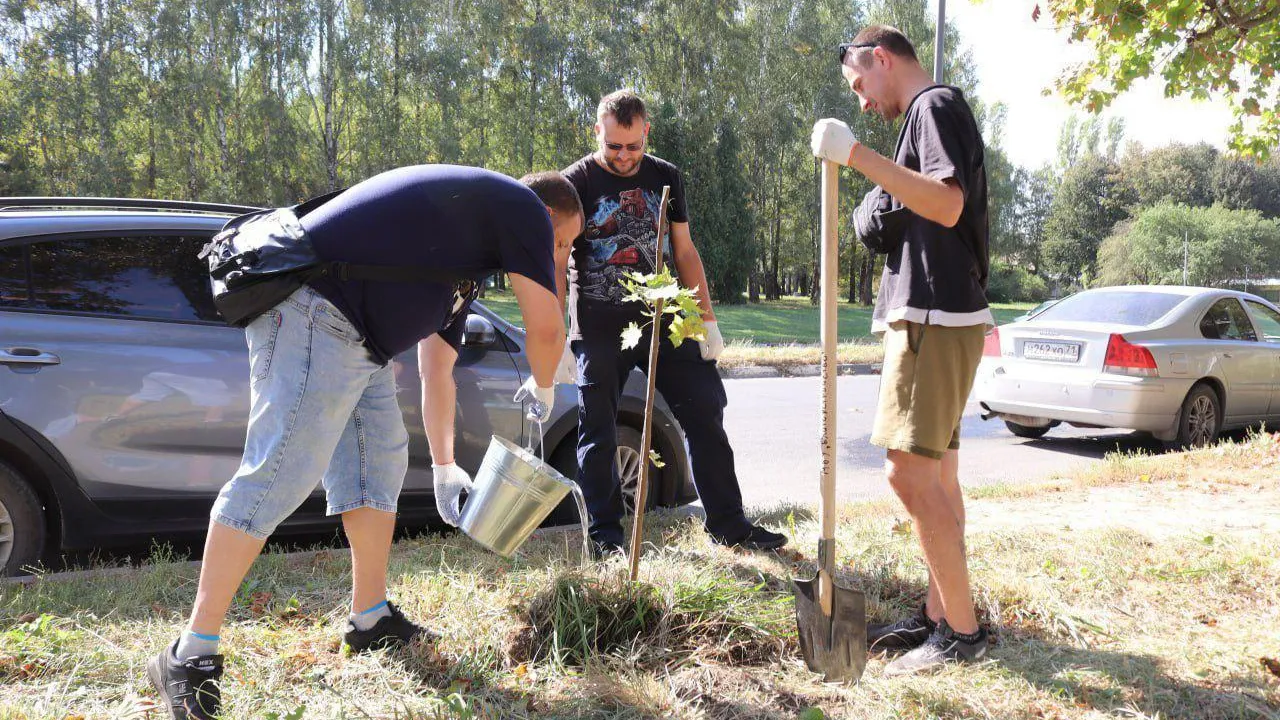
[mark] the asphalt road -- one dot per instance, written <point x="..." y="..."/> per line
<point x="773" y="426"/>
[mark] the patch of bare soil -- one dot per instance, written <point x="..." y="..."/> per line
<point x="1158" y="509"/>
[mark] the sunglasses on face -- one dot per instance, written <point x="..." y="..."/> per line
<point x="630" y="147"/>
<point x="843" y="48"/>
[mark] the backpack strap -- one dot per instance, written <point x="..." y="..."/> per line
<point x="390" y="273"/>
<point x="307" y="206"/>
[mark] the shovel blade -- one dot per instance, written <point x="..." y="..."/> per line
<point x="834" y="646"/>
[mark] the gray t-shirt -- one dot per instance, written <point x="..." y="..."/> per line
<point x="933" y="274"/>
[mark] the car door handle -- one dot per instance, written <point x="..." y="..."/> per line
<point x="27" y="356"/>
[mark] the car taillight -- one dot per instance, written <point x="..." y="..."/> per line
<point x="991" y="345"/>
<point x="1125" y="358"/>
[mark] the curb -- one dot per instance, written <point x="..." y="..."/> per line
<point x="766" y="371"/>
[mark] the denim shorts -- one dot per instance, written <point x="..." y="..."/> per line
<point x="319" y="407"/>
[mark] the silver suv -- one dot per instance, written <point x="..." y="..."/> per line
<point x="124" y="397"/>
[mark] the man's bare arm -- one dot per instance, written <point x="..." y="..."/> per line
<point x="436" y="359"/>
<point x="688" y="264"/>
<point x="938" y="200"/>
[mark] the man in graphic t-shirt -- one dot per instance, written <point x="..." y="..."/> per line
<point x="621" y="187"/>
<point x="928" y="215"/>
<point x="323" y="391"/>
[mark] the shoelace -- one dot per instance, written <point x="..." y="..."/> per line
<point x="940" y="635"/>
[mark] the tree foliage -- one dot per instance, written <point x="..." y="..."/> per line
<point x="268" y="102"/>
<point x="1176" y="173"/>
<point x="1241" y="184"/>
<point x="1090" y="199"/>
<point x="1094" y="197"/>
<point x="1011" y="283"/>
<point x="726" y="231"/>
<point x="1221" y="246"/>
<point x="1198" y="48"/>
<point x="260" y="102"/>
<point x="1033" y="204"/>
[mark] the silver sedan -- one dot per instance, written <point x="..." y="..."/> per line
<point x="1182" y="363"/>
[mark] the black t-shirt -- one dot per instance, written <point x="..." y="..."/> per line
<point x="621" y="235"/>
<point x="463" y="219"/>
<point x="933" y="274"/>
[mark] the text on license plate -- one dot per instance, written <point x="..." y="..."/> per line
<point x="1054" y="351"/>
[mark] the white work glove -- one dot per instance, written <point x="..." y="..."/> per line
<point x="542" y="399"/>
<point x="450" y="480"/>
<point x="832" y="140"/>
<point x="714" y="344"/>
<point x="567" y="372"/>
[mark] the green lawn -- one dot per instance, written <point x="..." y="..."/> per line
<point x="790" y="320"/>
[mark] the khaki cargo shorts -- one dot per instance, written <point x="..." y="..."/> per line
<point x="927" y="375"/>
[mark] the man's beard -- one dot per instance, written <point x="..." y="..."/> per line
<point x="613" y="165"/>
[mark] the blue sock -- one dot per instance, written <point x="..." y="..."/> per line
<point x="193" y="644"/>
<point x="366" y="619"/>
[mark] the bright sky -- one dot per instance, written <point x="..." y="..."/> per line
<point x="1017" y="58"/>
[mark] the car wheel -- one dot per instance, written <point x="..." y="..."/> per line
<point x="22" y="527"/>
<point x="1200" y="420"/>
<point x="1027" y="431"/>
<point x="627" y="459"/>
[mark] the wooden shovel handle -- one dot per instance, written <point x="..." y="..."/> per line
<point x="827" y="435"/>
<point x="646" y="435"/>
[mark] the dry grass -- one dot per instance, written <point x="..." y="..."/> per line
<point x="746" y="353"/>
<point x="1105" y="622"/>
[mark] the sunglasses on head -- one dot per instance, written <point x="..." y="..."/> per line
<point x="843" y="48"/>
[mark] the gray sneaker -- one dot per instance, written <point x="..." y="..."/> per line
<point x="943" y="647"/>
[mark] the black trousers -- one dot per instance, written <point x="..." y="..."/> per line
<point x="695" y="393"/>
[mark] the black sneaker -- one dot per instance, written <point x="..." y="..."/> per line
<point x="188" y="687"/>
<point x="755" y="538"/>
<point x="390" y="630"/>
<point x="605" y="549"/>
<point x="906" y="634"/>
<point x="943" y="647"/>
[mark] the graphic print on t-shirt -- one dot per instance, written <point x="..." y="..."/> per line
<point x="620" y="238"/>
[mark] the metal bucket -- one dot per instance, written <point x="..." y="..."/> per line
<point x="514" y="492"/>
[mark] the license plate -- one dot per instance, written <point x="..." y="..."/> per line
<point x="1051" y="351"/>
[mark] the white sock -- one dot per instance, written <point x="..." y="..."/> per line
<point x="368" y="618"/>
<point x="193" y="644"/>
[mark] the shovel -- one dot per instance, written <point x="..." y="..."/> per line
<point x="646" y="437"/>
<point x="831" y="619"/>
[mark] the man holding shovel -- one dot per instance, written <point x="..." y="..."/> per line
<point x="323" y="392"/>
<point x="928" y="215"/>
<point x="620" y="186"/>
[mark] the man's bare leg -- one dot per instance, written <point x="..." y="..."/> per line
<point x="369" y="531"/>
<point x="950" y="486"/>
<point x="228" y="555"/>
<point x="917" y="480"/>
